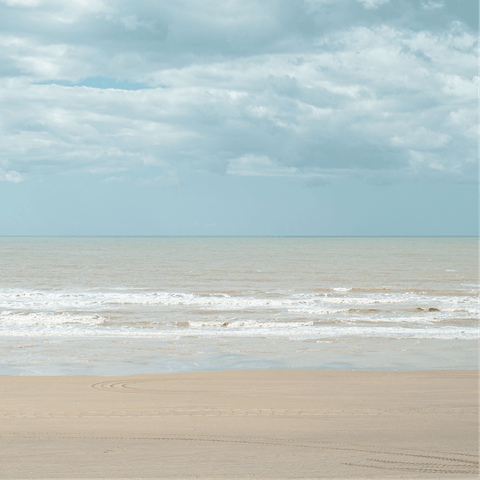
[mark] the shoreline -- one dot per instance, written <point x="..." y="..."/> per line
<point x="51" y="356"/>
<point x="260" y="369"/>
<point x="242" y="424"/>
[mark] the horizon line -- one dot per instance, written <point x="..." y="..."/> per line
<point x="239" y="236"/>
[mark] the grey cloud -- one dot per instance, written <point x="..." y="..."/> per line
<point x="126" y="39"/>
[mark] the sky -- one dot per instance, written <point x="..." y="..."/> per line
<point x="238" y="117"/>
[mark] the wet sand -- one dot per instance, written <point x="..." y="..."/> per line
<point x="242" y="424"/>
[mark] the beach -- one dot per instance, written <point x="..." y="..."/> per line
<point x="238" y="358"/>
<point x="242" y="424"/>
<point x="239" y="240"/>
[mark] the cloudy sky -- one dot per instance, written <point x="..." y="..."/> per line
<point x="238" y="117"/>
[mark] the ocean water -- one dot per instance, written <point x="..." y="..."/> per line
<point x="109" y="305"/>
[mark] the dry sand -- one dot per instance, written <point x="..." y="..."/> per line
<point x="243" y="424"/>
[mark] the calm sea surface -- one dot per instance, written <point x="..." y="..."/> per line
<point x="146" y="305"/>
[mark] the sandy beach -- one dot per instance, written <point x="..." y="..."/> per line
<point x="242" y="424"/>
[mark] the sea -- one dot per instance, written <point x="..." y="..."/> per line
<point x="136" y="305"/>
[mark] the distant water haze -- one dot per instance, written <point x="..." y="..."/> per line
<point x="163" y="304"/>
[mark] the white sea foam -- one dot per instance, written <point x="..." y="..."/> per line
<point x="49" y="320"/>
<point x="9" y="299"/>
<point x="67" y="325"/>
<point x="281" y="313"/>
<point x="273" y="331"/>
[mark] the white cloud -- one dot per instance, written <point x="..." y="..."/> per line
<point x="372" y="3"/>
<point x="169" y="178"/>
<point x="278" y="98"/>
<point x="21" y="3"/>
<point x="255" y="166"/>
<point x="432" y="4"/>
<point x="11" y="176"/>
<point x="113" y="180"/>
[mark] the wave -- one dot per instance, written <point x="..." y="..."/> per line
<point x="45" y="319"/>
<point x="64" y="324"/>
<point x="365" y="313"/>
<point x="225" y="301"/>
<point x="273" y="331"/>
<point x="124" y="313"/>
